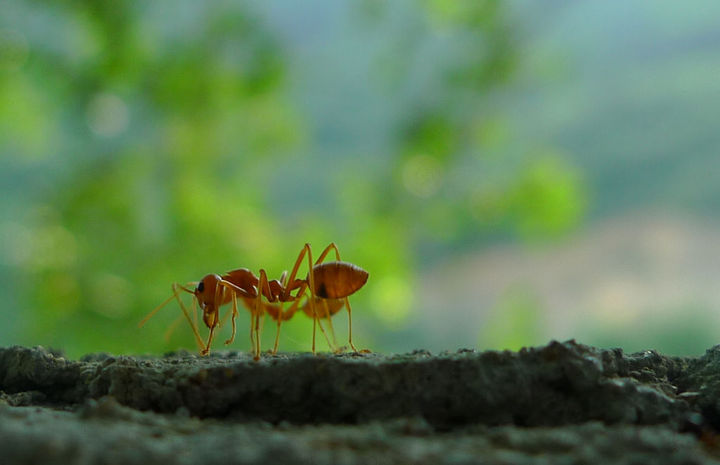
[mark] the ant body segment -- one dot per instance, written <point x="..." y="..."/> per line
<point x="329" y="284"/>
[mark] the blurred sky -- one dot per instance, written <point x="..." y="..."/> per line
<point x="609" y="107"/>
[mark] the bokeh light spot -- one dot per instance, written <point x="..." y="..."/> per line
<point x="37" y="249"/>
<point x="111" y="295"/>
<point x="391" y="298"/>
<point x="421" y="175"/>
<point x="107" y="115"/>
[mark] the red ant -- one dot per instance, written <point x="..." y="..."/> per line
<point x="329" y="283"/>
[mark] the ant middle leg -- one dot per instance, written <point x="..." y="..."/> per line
<point x="232" y="320"/>
<point x="306" y="251"/>
<point x="277" y="333"/>
<point x="262" y="288"/>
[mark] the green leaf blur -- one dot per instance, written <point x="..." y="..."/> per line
<point x="146" y="143"/>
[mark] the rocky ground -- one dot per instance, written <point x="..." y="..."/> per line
<point x="561" y="403"/>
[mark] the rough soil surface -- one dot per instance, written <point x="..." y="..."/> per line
<point x="561" y="403"/>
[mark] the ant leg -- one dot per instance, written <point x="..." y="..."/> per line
<point x="254" y="336"/>
<point x="216" y="317"/>
<point x="175" y="295"/>
<point x="248" y="302"/>
<point x="172" y="328"/>
<point x="332" y="246"/>
<point x="311" y="279"/>
<point x="195" y="313"/>
<point x="326" y="314"/>
<point x="223" y="320"/>
<point x="287" y="314"/>
<point x="231" y="312"/>
<point x="324" y="253"/>
<point x="349" y="310"/>
<point x="234" y="314"/>
<point x="252" y="330"/>
<point x="185" y="311"/>
<point x="293" y="273"/>
<point x="206" y="350"/>
<point x="277" y="334"/>
<point x="311" y="284"/>
<point x="227" y="288"/>
<point x="286" y="292"/>
<point x="334" y="346"/>
<point x="262" y="286"/>
<point x="155" y="310"/>
<point x="257" y="338"/>
<point x="284" y="315"/>
<point x="319" y="318"/>
<point x="262" y="322"/>
<point x="250" y="305"/>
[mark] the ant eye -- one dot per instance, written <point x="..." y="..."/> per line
<point x="201" y="286"/>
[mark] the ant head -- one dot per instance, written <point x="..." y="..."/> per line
<point x="205" y="295"/>
<point x="205" y="292"/>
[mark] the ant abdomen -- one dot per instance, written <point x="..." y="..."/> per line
<point x="335" y="280"/>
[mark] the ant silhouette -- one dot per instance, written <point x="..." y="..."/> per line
<point x="330" y="284"/>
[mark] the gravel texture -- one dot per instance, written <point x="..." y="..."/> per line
<point x="560" y="403"/>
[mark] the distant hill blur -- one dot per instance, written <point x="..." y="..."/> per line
<point x="629" y="90"/>
<point x="633" y="282"/>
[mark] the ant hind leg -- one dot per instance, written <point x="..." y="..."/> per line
<point x="322" y="256"/>
<point x="349" y="310"/>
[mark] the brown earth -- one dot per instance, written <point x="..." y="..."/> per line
<point x="561" y="403"/>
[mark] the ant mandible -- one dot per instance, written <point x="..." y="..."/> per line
<point x="332" y="282"/>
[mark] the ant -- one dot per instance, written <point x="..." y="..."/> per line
<point x="329" y="283"/>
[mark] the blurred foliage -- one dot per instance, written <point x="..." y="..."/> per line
<point x="143" y="149"/>
<point x="514" y="323"/>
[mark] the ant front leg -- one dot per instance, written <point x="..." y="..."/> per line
<point x="206" y="350"/>
<point x="176" y="287"/>
<point x="211" y="316"/>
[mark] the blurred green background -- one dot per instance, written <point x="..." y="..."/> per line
<point x="507" y="172"/>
